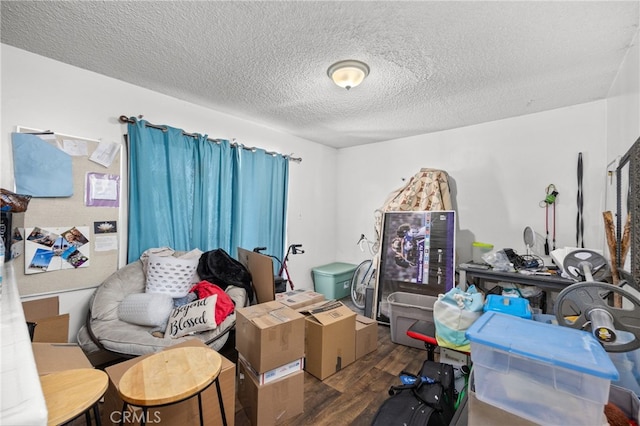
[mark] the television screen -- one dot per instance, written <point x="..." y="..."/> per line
<point x="416" y="256"/>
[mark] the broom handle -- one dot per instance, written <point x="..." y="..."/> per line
<point x="609" y="229"/>
<point x="626" y="238"/>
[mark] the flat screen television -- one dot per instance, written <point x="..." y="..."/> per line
<point x="417" y="255"/>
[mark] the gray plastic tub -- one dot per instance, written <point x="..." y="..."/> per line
<point x="406" y="309"/>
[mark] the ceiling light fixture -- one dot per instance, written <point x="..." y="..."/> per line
<point x="348" y="74"/>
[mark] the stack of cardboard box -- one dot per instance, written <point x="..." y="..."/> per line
<point x="270" y="345"/>
<point x="334" y="335"/>
<point x="49" y="325"/>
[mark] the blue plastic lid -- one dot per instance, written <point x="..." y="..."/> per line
<point x="561" y="346"/>
<point x="517" y="306"/>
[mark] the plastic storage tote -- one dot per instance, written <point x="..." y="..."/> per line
<point x="334" y="280"/>
<point x="542" y="372"/>
<point x="407" y="308"/>
<point x="517" y="306"/>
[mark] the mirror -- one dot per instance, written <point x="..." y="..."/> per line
<point x="529" y="238"/>
<point x="628" y="203"/>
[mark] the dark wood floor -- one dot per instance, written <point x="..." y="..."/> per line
<point x="352" y="395"/>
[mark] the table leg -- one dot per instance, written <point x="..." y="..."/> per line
<point x="462" y="280"/>
<point x="96" y="414"/>
<point x="124" y="408"/>
<point x="200" y="409"/>
<point x="143" y="421"/>
<point x="224" y="417"/>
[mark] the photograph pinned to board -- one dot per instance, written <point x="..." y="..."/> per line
<point x="17" y="242"/>
<point x="74" y="237"/>
<point x="105" y="227"/>
<point x="42" y="237"/>
<point x="41" y="259"/>
<point x="54" y="249"/>
<point x="106" y="238"/>
<point x="102" y="190"/>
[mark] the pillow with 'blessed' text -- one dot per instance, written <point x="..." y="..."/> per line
<point x="192" y="318"/>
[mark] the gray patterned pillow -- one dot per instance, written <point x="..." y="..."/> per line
<point x="148" y="309"/>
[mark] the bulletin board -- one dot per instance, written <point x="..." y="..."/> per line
<point x="72" y="242"/>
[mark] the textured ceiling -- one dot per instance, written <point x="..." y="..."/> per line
<point x="434" y="65"/>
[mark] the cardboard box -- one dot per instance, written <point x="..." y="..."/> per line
<point x="366" y="335"/>
<point x="626" y="400"/>
<point x="183" y="413"/>
<point x="276" y="373"/>
<point x="330" y="338"/>
<point x="261" y="268"/>
<point x="299" y="298"/>
<point x="273" y="402"/>
<point x="269" y="335"/>
<point x="51" y="327"/>
<point x="52" y="357"/>
<point x="483" y="414"/>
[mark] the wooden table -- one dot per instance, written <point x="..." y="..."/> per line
<point x="70" y="393"/>
<point x="169" y="377"/>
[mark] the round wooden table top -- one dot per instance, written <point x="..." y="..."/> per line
<point x="170" y="376"/>
<point x="70" y="393"/>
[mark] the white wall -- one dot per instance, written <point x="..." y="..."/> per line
<point x="623" y="104"/>
<point x="499" y="170"/>
<point x="41" y="93"/>
<point x="623" y="119"/>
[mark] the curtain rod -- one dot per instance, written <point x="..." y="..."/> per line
<point x="125" y="119"/>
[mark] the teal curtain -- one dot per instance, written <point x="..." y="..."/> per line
<point x="189" y="192"/>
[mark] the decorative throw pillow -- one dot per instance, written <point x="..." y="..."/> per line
<point x="170" y="275"/>
<point x="192" y="318"/>
<point x="148" y="309"/>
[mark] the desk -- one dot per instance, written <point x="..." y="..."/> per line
<point x="548" y="283"/>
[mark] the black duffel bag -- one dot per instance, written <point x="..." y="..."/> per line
<point x="427" y="399"/>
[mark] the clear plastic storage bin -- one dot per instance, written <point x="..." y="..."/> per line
<point x="545" y="373"/>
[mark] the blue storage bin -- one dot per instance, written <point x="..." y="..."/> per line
<point x="517" y="306"/>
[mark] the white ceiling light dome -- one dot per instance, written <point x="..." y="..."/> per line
<point x="349" y="73"/>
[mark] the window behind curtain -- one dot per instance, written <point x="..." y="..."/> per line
<point x="189" y="192"/>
